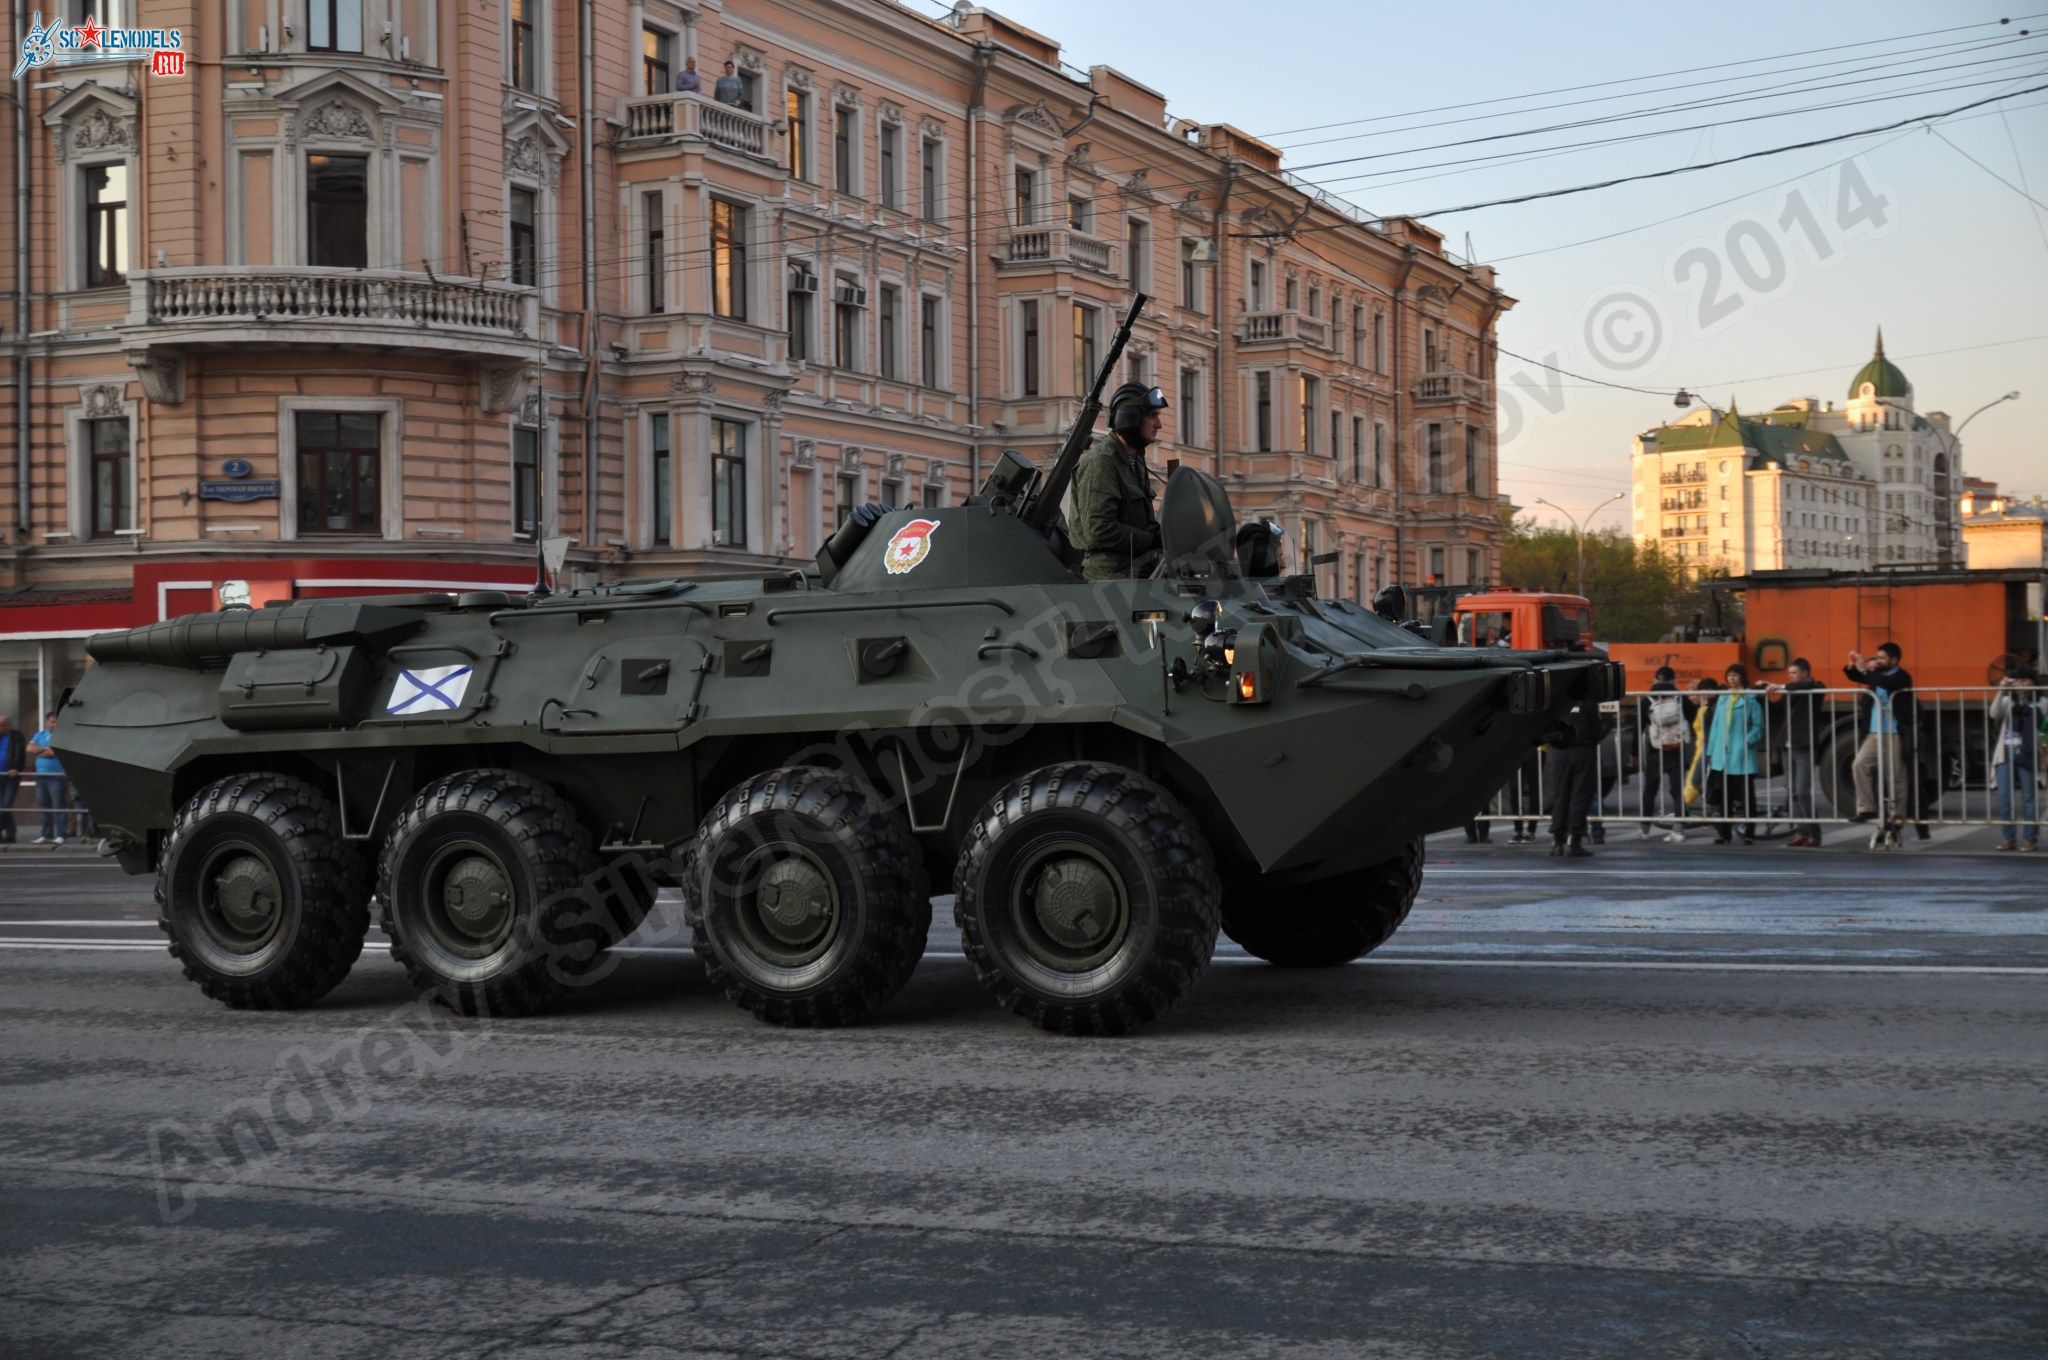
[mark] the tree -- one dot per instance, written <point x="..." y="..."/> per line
<point x="1638" y="594"/>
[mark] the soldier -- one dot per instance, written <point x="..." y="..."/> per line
<point x="1114" y="526"/>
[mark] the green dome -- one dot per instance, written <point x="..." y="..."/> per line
<point x="1882" y="374"/>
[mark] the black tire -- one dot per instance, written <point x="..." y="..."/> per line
<point x="265" y="904"/>
<point x="845" y="862"/>
<point x="516" y="844"/>
<point x="1136" y="907"/>
<point x="1326" y="923"/>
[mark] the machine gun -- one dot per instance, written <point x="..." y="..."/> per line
<point x="1046" y="503"/>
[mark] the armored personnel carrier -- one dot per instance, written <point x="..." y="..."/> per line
<point x="1103" y="774"/>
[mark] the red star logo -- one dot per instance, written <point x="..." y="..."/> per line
<point x="89" y="32"/>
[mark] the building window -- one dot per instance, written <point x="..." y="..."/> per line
<point x="1256" y="285"/>
<point x="1078" y="212"/>
<point x="928" y="340"/>
<point x="1310" y="389"/>
<point x="796" y="107"/>
<point x="1191" y="406"/>
<point x="657" y="50"/>
<point x="1293" y="293"/>
<point x="1379" y="455"/>
<point x="1358" y="449"/>
<point x="1138" y="245"/>
<point x="338" y="211"/>
<point x="1024" y="202"/>
<point x="728" y="483"/>
<point x="339" y="457"/>
<point x="1472" y="459"/>
<point x="525" y="481"/>
<point x="1315" y="298"/>
<point x="1379" y="342"/>
<point x="1436" y="566"/>
<point x="524" y="242"/>
<point x="1336" y="436"/>
<point x="660" y="478"/>
<point x="524" y="55"/>
<point x="844" y="143"/>
<point x="888" y="321"/>
<point x="1084" y="346"/>
<point x="337" y="25"/>
<point x="891" y="168"/>
<point x="106" y="225"/>
<point x="848" y="301"/>
<point x="1434" y="443"/>
<point x="656" y="252"/>
<point x="113" y="472"/>
<point x="928" y="177"/>
<point x="934" y="494"/>
<point x="1357" y="334"/>
<point x="1190" y="276"/>
<point x="1027" y="346"/>
<point x="892" y="492"/>
<point x="1262" y="411"/>
<point x="728" y="259"/>
<point x="1473" y="569"/>
<point x="849" y="493"/>
<point x="803" y="286"/>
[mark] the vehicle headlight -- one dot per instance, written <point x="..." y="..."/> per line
<point x="1219" y="650"/>
<point x="1204" y="617"/>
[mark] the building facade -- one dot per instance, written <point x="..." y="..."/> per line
<point x="1870" y="483"/>
<point x="376" y="295"/>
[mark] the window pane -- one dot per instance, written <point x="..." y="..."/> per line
<point x="338" y="218"/>
<point x="662" y="490"/>
<point x="728" y="259"/>
<point x="524" y="238"/>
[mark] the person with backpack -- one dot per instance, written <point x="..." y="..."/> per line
<point x="1803" y="725"/>
<point x="1734" y="741"/>
<point x="2016" y="718"/>
<point x="1664" y="717"/>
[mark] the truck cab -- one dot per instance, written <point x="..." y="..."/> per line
<point x="1526" y="620"/>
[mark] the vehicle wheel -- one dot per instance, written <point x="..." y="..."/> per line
<point x="807" y="898"/>
<point x="265" y="904"/>
<point x="485" y="880"/>
<point x="1087" y="899"/>
<point x="1323" y="924"/>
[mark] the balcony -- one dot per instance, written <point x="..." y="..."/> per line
<point x="333" y="307"/>
<point x="1040" y="247"/>
<point x="1449" y="385"/>
<point x="1282" y="328"/>
<point x="692" y="117"/>
<point x="1681" y="478"/>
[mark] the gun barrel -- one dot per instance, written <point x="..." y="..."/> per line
<point x="1047" y="502"/>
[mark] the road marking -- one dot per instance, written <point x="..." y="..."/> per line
<point x="135" y="922"/>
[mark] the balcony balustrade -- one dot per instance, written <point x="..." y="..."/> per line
<point x="1449" y="385"/>
<point x="1681" y="478"/>
<point x="308" y="305"/>
<point x="1035" y="247"/>
<point x="1261" y="328"/>
<point x="694" y="116"/>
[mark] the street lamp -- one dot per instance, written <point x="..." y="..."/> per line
<point x="1578" y="531"/>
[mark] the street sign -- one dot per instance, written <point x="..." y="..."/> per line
<point x="223" y="489"/>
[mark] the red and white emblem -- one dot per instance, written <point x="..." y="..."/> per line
<point x="909" y="546"/>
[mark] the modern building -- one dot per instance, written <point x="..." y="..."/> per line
<point x="2002" y="531"/>
<point x="1871" y="483"/>
<point x="375" y="295"/>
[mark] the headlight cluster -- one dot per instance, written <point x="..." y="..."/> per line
<point x="1218" y="644"/>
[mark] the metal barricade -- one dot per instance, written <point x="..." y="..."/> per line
<point x="43" y="811"/>
<point x="1785" y="763"/>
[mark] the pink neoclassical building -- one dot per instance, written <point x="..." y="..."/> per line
<point x="377" y="292"/>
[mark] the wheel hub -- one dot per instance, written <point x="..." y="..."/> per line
<point x="247" y="895"/>
<point x="476" y="894"/>
<point x="794" y="899"/>
<point x="1076" y="903"/>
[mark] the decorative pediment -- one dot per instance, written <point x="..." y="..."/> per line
<point x="797" y="77"/>
<point x="891" y="111"/>
<point x="1138" y="185"/>
<point x="749" y="59"/>
<point x="1035" y="116"/>
<point x="845" y="97"/>
<point x="849" y="457"/>
<point x="90" y="119"/>
<point x="1258" y="214"/>
<point x="534" y="149"/>
<point x="932" y="128"/>
<point x="895" y="463"/>
<point x="806" y="453"/>
<point x="691" y="385"/>
<point x="101" y="400"/>
<point x="1078" y="160"/>
<point x="332" y="120"/>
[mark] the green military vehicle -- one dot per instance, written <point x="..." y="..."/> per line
<point x="1103" y="774"/>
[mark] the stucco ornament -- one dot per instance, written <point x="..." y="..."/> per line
<point x="337" y="118"/>
<point x="100" y="130"/>
<point x="102" y="400"/>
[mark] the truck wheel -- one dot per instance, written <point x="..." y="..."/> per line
<point x="807" y="899"/>
<point x="1325" y="923"/>
<point x="1087" y="899"/>
<point x="485" y="880"/>
<point x="265" y="904"/>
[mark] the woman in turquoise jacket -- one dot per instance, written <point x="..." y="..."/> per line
<point x="1735" y="741"/>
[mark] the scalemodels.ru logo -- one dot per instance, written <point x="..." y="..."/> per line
<point x="78" y="44"/>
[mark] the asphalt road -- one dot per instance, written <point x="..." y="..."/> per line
<point x="1673" y="1101"/>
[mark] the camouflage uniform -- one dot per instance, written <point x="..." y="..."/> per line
<point x="1114" y="526"/>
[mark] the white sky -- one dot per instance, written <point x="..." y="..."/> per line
<point x="1925" y="243"/>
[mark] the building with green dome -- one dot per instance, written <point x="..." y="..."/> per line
<point x="1867" y="483"/>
